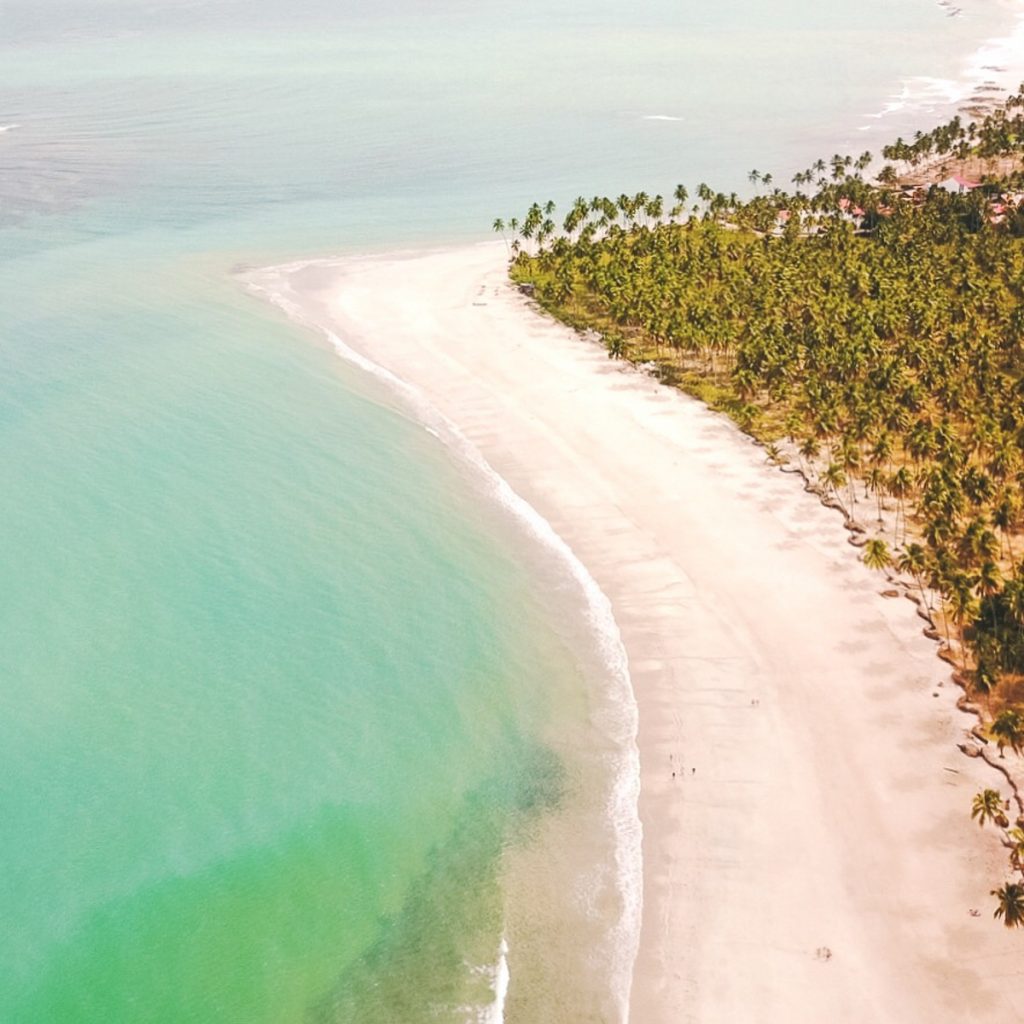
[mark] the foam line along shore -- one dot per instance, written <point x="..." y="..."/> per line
<point x="763" y="708"/>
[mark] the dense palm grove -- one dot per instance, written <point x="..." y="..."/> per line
<point x="871" y="334"/>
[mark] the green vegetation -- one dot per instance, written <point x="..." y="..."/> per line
<point x="870" y="333"/>
<point x="989" y="808"/>
<point x="997" y="135"/>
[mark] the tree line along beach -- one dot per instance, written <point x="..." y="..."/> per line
<point x="809" y="851"/>
<point x="395" y="655"/>
<point x="869" y="334"/>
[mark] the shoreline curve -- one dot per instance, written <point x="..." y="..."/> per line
<point x="807" y="847"/>
<point x="270" y="283"/>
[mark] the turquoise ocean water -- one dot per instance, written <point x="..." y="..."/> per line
<point x="297" y="724"/>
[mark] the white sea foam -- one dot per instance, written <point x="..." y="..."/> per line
<point x="923" y="94"/>
<point x="8" y="127"/>
<point x="498" y="976"/>
<point x="495" y="1013"/>
<point x="997" y="62"/>
<point x="623" y="804"/>
<point x="661" y="117"/>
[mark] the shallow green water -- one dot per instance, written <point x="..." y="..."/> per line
<point x="295" y="724"/>
<point x="247" y="627"/>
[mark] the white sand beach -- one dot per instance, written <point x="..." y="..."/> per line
<point x="808" y="853"/>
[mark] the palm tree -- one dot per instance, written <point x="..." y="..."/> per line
<point x="1008" y="730"/>
<point x="616" y="346"/>
<point x="680" y="194"/>
<point x="809" y="449"/>
<point x="499" y="228"/>
<point x="1004" y="515"/>
<point x="874" y="483"/>
<point x="1015" y="840"/>
<point x="990" y="582"/>
<point x="898" y="351"/>
<point x="834" y="477"/>
<point x="876" y="554"/>
<point x="900" y="486"/>
<point x="1013" y="594"/>
<point x="987" y="806"/>
<point x="962" y="608"/>
<point x="914" y="560"/>
<point x="848" y="454"/>
<point x="1010" y="907"/>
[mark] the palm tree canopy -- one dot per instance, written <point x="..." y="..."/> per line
<point x="1010" y="905"/>
<point x="879" y="333"/>
<point x="986" y="806"/>
<point x="1008" y="729"/>
<point x="876" y="554"/>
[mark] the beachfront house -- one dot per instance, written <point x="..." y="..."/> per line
<point x="958" y="185"/>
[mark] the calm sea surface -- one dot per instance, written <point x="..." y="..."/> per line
<point x="296" y="724"/>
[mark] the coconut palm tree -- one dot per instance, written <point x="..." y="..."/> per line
<point x="913" y="559"/>
<point x="499" y="228"/>
<point x="962" y="608"/>
<point x="680" y="194"/>
<point x="1005" y="513"/>
<point x="834" y="477"/>
<point x="809" y="449"/>
<point x="1015" y="841"/>
<point x="1013" y="594"/>
<point x="1007" y="729"/>
<point x="875" y="483"/>
<point x="900" y="486"/>
<point x="876" y="554"/>
<point x="990" y="582"/>
<point x="987" y="806"/>
<point x="1010" y="904"/>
